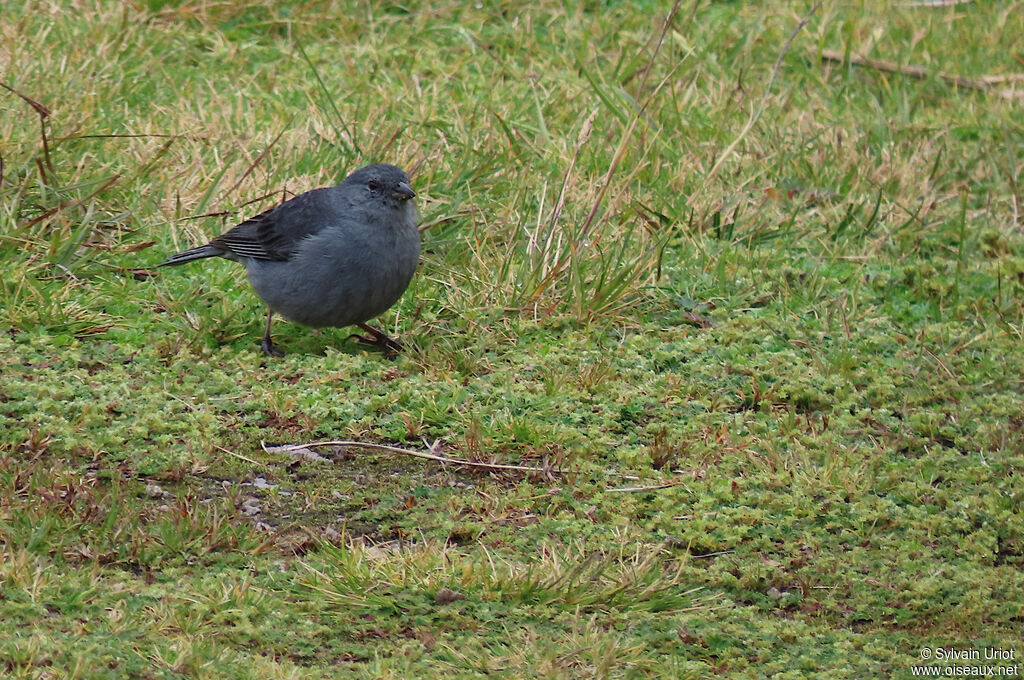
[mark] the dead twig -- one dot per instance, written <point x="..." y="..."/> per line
<point x="445" y="218"/>
<point x="40" y="109"/>
<point x="638" y="489"/>
<point x="547" y="471"/>
<point x="148" y="135"/>
<point x="933" y="3"/>
<point x="241" y="457"/>
<point x="985" y="83"/>
<point x="48" y="173"/>
<point x="68" y="204"/>
<point x="225" y="213"/>
<point x="941" y="363"/>
<point x="252" y="166"/>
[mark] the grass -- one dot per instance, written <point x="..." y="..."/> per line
<point x="759" y="316"/>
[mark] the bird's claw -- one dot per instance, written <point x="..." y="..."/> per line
<point x="389" y="346"/>
<point x="268" y="348"/>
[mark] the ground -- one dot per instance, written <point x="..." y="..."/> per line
<point x="724" y="302"/>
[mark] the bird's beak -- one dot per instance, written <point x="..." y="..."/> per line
<point x="404" y="192"/>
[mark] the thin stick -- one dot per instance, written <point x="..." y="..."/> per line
<point x="933" y="3"/>
<point x="941" y="363"/>
<point x="40" y="109"/>
<point x="759" y="109"/>
<point x="418" y="454"/>
<point x="120" y="136"/>
<point x="44" y="113"/>
<point x="986" y="83"/>
<point x="637" y="489"/>
<point x="445" y="218"/>
<point x="67" y="204"/>
<point x="253" y="165"/>
<point x="240" y="456"/>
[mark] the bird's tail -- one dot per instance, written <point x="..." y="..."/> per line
<point x="197" y="253"/>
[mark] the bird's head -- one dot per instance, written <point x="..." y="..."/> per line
<point x="383" y="180"/>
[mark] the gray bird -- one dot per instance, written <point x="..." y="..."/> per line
<point x="336" y="256"/>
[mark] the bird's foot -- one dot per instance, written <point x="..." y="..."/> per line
<point x="268" y="347"/>
<point x="389" y="346"/>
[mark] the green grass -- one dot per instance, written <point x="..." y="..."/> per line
<point x="757" y="317"/>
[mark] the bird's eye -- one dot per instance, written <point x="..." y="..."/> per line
<point x="373" y="185"/>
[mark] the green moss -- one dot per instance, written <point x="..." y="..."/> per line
<point x="780" y="402"/>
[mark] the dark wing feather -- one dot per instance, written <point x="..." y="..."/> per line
<point x="276" y="233"/>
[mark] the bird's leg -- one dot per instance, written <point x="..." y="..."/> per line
<point x="389" y="346"/>
<point x="268" y="345"/>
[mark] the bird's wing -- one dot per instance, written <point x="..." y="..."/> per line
<point x="275" y="234"/>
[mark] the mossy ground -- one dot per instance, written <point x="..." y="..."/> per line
<point x="755" y="316"/>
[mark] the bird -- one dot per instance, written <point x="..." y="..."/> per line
<point x="335" y="256"/>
